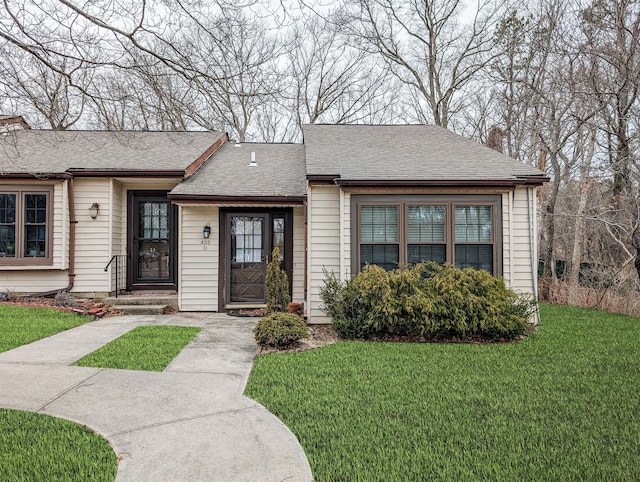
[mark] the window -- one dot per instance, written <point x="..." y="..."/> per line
<point x="396" y="231"/>
<point x="25" y="225"/>
<point x="379" y="236"/>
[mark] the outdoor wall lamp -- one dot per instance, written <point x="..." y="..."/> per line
<point x="206" y="232"/>
<point x="94" y="210"/>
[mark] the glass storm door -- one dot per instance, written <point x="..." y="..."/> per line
<point x="153" y="247"/>
<point x="248" y="258"/>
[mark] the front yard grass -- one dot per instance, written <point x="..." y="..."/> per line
<point x="563" y="404"/>
<point x="20" y="325"/>
<point x="36" y="447"/>
<point x="149" y="348"/>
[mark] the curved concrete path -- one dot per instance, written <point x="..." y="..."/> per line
<point x="188" y="423"/>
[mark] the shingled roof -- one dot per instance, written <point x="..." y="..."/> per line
<point x="278" y="174"/>
<point x="55" y="152"/>
<point x="406" y="154"/>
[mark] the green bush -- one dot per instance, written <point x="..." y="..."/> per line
<point x="427" y="299"/>
<point x="472" y="302"/>
<point x="277" y="286"/>
<point x="280" y="330"/>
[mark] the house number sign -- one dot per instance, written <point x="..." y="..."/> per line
<point x="205" y="243"/>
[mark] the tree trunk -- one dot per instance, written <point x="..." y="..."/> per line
<point x="576" y="256"/>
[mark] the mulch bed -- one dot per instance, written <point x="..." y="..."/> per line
<point x="94" y="308"/>
<point x="319" y="336"/>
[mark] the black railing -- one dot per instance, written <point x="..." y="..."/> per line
<point x="120" y="263"/>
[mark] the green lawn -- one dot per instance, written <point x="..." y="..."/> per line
<point x="564" y="404"/>
<point x="20" y="325"/>
<point x="36" y="447"/>
<point x="149" y="348"/>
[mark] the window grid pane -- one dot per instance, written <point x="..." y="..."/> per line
<point x="473" y="224"/>
<point x="278" y="236"/>
<point x="8" y="225"/>
<point x="246" y="239"/>
<point x="426" y="224"/>
<point x="417" y="253"/>
<point x="478" y="256"/>
<point x="35" y="227"/>
<point x="379" y="224"/>
<point x="155" y="219"/>
<point x="386" y="256"/>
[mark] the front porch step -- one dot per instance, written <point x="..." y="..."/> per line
<point x="137" y="309"/>
<point x="131" y="300"/>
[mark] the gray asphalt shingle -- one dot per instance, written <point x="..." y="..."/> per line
<point x="280" y="171"/>
<point x="44" y="151"/>
<point x="404" y="152"/>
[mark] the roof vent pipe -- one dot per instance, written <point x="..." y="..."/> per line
<point x="253" y="162"/>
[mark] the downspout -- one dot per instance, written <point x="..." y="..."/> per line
<point x="511" y="243"/>
<point x="534" y="264"/>
<point x="72" y="243"/>
<point x="341" y="246"/>
<point x="307" y="254"/>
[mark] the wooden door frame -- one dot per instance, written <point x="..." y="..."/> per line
<point x="132" y="230"/>
<point x="225" y="245"/>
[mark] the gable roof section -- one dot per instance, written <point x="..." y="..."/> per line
<point x="105" y="153"/>
<point x="278" y="176"/>
<point x="407" y="155"/>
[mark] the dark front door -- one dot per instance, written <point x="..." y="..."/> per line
<point x="248" y="260"/>
<point x="247" y="241"/>
<point x="152" y="241"/>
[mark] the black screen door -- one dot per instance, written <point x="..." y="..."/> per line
<point x="153" y="241"/>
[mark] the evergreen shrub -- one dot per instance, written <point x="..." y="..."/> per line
<point x="428" y="300"/>
<point x="280" y="330"/>
<point x="277" y="286"/>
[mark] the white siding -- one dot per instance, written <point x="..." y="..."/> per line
<point x="507" y="236"/>
<point x="297" y="283"/>
<point x="29" y="280"/>
<point x="117" y="227"/>
<point x="523" y="221"/>
<point x="198" y="262"/>
<point x="324" y="244"/>
<point x="93" y="237"/>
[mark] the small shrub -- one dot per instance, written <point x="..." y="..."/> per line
<point x="277" y="286"/>
<point x="64" y="299"/>
<point x="280" y="330"/>
<point x="427" y="299"/>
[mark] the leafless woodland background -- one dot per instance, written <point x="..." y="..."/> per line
<point x="552" y="83"/>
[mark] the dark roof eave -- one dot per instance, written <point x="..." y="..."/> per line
<point x="126" y="173"/>
<point x="221" y="199"/>
<point x="320" y="179"/>
<point x="37" y="176"/>
<point x="488" y="183"/>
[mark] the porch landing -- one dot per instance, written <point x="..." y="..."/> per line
<point x="145" y="302"/>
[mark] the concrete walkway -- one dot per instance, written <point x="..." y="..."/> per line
<point x="188" y="423"/>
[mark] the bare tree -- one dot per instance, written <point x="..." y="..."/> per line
<point x="333" y="82"/>
<point x="428" y="48"/>
<point x="45" y="96"/>
<point x="612" y="49"/>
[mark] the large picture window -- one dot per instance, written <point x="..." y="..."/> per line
<point x="25" y="224"/>
<point x="393" y="231"/>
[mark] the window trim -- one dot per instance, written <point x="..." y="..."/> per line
<point x="450" y="201"/>
<point x="20" y="191"/>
